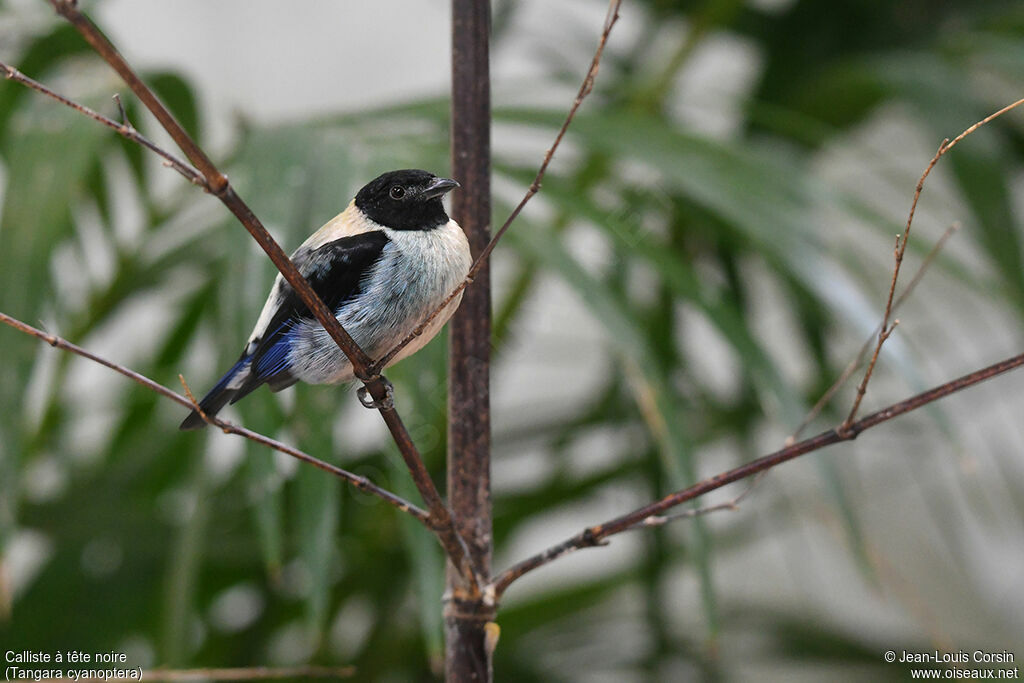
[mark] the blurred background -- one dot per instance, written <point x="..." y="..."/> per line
<point x="711" y="247"/>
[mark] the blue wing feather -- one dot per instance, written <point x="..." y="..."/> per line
<point x="335" y="271"/>
<point x="274" y="358"/>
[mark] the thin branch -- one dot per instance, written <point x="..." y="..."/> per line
<point x="124" y="128"/>
<point x="598" y="534"/>
<point x="733" y="504"/>
<point x="68" y="9"/>
<point x="885" y="329"/>
<point x="360" y="482"/>
<point x="585" y="89"/>
<point x="929" y="259"/>
<point x="661" y="520"/>
<point x="729" y="505"/>
<point x="217" y="184"/>
<point x="858" y="359"/>
<point x="650" y="515"/>
<point x="120" y="107"/>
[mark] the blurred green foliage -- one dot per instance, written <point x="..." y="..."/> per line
<point x="193" y="550"/>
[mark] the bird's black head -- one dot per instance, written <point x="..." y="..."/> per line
<point x="406" y="200"/>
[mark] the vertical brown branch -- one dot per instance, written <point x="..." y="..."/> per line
<point x="483" y="254"/>
<point x="469" y="432"/>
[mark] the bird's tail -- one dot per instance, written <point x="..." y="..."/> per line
<point x="219" y="396"/>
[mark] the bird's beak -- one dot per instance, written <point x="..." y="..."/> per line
<point x="439" y="187"/>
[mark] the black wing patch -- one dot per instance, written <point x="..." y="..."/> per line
<point x="336" y="271"/>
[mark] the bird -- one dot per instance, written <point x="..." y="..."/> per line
<point x="381" y="265"/>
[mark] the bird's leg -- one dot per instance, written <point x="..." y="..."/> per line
<point x="384" y="403"/>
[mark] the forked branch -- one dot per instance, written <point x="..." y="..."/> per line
<point x="652" y="514"/>
<point x="361" y="483"/>
<point x="217" y="184"/>
<point x="858" y="359"/>
<point x="208" y="176"/>
<point x="124" y="128"/>
<point x="598" y="534"/>
<point x="885" y="330"/>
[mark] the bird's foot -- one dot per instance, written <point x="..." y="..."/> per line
<point x="383" y="404"/>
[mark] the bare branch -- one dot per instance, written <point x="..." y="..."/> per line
<point x="651" y="515"/>
<point x="68" y="9"/>
<point x="822" y="402"/>
<point x="123" y="129"/>
<point x="468" y="444"/>
<point x="217" y="184"/>
<point x="598" y="534"/>
<point x="360" y="482"/>
<point x="585" y="89"/>
<point x="661" y="520"/>
<point x="120" y="107"/>
<point x="856" y="361"/>
<point x="734" y="504"/>
<point x="884" y="329"/>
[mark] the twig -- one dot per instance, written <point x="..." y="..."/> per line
<point x="585" y="89"/>
<point x="731" y="505"/>
<point x="661" y="520"/>
<point x="929" y="258"/>
<point x="120" y="107"/>
<point x="885" y="329"/>
<point x="822" y="402"/>
<point x="217" y="184"/>
<point x="360" y="482"/>
<point x="68" y="9"/>
<point x="650" y="515"/>
<point x="124" y="128"/>
<point x="192" y="399"/>
<point x="598" y="534"/>
<point x="734" y="504"/>
<point x="856" y="361"/>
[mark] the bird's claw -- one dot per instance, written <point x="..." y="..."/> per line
<point x="385" y="403"/>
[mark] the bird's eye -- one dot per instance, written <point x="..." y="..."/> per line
<point x="397" y="192"/>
